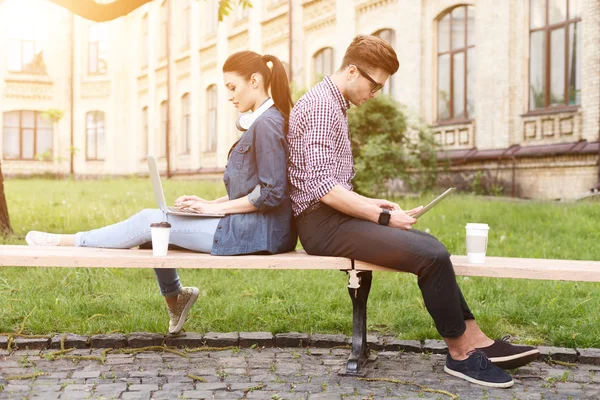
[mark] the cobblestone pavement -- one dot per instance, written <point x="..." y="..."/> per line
<point x="267" y="373"/>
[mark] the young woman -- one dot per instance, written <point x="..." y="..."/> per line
<point x="257" y="206"/>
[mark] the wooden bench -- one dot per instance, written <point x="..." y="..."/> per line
<point x="359" y="283"/>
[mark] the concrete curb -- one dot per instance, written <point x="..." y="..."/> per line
<point x="266" y="339"/>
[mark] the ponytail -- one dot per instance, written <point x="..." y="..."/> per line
<point x="280" y="89"/>
<point x="246" y="63"/>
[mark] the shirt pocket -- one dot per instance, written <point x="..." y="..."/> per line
<point x="242" y="156"/>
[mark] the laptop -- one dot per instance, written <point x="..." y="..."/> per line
<point x="159" y="195"/>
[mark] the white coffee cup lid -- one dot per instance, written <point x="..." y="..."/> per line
<point x="477" y="226"/>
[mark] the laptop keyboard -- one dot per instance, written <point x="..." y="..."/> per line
<point x="181" y="210"/>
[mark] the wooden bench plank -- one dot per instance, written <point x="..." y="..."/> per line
<point x="25" y="256"/>
<point x="497" y="267"/>
<point x="521" y="268"/>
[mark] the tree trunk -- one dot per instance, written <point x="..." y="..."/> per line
<point x="4" y="218"/>
<point x="93" y="11"/>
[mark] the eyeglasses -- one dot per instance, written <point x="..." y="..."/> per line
<point x="376" y="86"/>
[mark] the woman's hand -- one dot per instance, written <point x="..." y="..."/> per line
<point x="201" y="206"/>
<point x="180" y="200"/>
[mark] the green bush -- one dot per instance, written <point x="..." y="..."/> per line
<point x="387" y="144"/>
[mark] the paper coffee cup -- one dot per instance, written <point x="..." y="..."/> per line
<point x="160" y="238"/>
<point x="477" y="237"/>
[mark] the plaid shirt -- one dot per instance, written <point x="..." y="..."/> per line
<point x="320" y="148"/>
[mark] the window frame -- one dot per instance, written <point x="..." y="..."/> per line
<point x="145" y="48"/>
<point x="95" y="115"/>
<point x="21" y="129"/>
<point x="548" y="28"/>
<point x="465" y="118"/>
<point x="162" y="139"/>
<point x="98" y="43"/>
<point x="388" y="88"/>
<point x="319" y="57"/>
<point x="186" y="120"/>
<point x="211" y="112"/>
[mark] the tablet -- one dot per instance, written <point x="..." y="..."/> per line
<point x="434" y="202"/>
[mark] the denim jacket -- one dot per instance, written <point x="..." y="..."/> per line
<point x="257" y="167"/>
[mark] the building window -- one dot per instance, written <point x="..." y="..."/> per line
<point x="95" y="135"/>
<point x="555" y="49"/>
<point x="212" y="13"/>
<point x="322" y="63"/>
<point x="27" y="39"/>
<point x="145" y="132"/>
<point x="164" y="30"/>
<point x="185" y="124"/>
<point x="456" y="65"/>
<point x="211" y="117"/>
<point x="389" y="36"/>
<point x="98" y="49"/>
<point x="145" y="41"/>
<point x="186" y="25"/>
<point x="241" y="13"/>
<point x="27" y="135"/>
<point x="162" y="145"/>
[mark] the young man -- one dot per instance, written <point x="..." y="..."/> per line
<point x="333" y="220"/>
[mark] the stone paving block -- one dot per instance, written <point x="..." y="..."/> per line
<point x="144" y="339"/>
<point x="46" y="396"/>
<point x="292" y="339"/>
<point x="187" y="339"/>
<point x="135" y="396"/>
<point x="3" y="342"/>
<point x="71" y="341"/>
<point x="259" y="339"/>
<point x="198" y="394"/>
<point x="31" y="343"/>
<point x="435" y="347"/>
<point x="113" y="340"/>
<point x="204" y="386"/>
<point x="589" y="356"/>
<point x="328" y="341"/>
<point x="110" y="388"/>
<point x="228" y="395"/>
<point x="16" y="387"/>
<point x="216" y="339"/>
<point x="85" y="374"/>
<point x="78" y="387"/>
<point x="557" y="353"/>
<point x="143" y="388"/>
<point x="393" y="344"/>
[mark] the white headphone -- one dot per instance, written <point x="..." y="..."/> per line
<point x="244" y="121"/>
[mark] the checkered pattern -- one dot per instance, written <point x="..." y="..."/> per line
<point x="320" y="148"/>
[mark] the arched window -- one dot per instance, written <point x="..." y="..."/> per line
<point x="555" y="48"/>
<point x="26" y="135"/>
<point x="95" y="134"/>
<point x="390" y="37"/>
<point x="98" y="49"/>
<point x="164" y="30"/>
<point x="162" y="144"/>
<point x="145" y="132"/>
<point x="185" y="124"/>
<point x="145" y="41"/>
<point x="212" y="17"/>
<point x="27" y="38"/>
<point x="322" y="63"/>
<point x="456" y="65"/>
<point x="211" y="118"/>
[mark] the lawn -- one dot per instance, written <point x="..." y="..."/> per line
<point x="91" y="301"/>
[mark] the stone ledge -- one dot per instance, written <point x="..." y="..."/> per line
<point x="267" y="339"/>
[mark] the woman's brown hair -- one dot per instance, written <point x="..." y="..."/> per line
<point x="246" y="63"/>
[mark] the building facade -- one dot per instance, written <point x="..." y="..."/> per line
<point x="511" y="88"/>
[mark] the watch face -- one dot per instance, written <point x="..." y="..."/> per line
<point x="384" y="217"/>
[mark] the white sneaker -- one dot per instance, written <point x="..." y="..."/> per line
<point x="185" y="301"/>
<point x="36" y="238"/>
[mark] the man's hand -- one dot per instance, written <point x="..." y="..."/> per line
<point x="414" y="211"/>
<point x="382" y="203"/>
<point x="401" y="220"/>
<point x="184" y="198"/>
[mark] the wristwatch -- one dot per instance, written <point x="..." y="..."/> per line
<point x="384" y="217"/>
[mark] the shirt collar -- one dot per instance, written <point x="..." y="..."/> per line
<point x="335" y="91"/>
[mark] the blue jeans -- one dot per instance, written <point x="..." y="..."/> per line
<point x="192" y="233"/>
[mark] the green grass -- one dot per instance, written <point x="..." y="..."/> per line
<point x="90" y="301"/>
